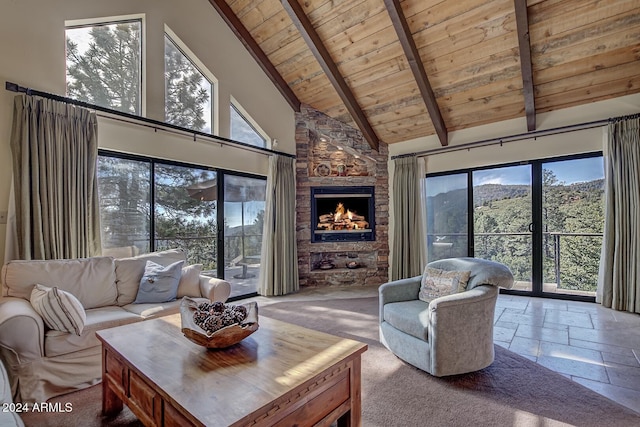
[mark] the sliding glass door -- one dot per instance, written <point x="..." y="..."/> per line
<point x="214" y="215"/>
<point x="543" y="219"/>
<point x="447" y="216"/>
<point x="185" y="213"/>
<point x="572" y="225"/>
<point x="244" y="206"/>
<point x="502" y="220"/>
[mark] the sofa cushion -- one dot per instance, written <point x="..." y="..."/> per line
<point x="91" y="280"/>
<point x="189" y="285"/>
<point x="151" y="311"/>
<point x="57" y="343"/>
<point x="59" y="309"/>
<point x="159" y="283"/>
<point x="129" y="271"/>
<point x="437" y="283"/>
<point x="410" y="317"/>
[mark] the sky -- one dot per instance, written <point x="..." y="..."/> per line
<point x="567" y="171"/>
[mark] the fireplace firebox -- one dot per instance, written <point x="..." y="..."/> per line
<point x="342" y="214"/>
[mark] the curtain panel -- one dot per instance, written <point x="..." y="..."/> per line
<point x="279" y="257"/>
<point x="54" y="147"/>
<point x="409" y="239"/>
<point x="619" y="278"/>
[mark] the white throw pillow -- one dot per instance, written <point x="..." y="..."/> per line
<point x="437" y="283"/>
<point x="59" y="309"/>
<point x="189" y="285"/>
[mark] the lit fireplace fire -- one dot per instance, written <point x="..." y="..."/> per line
<point x="342" y="219"/>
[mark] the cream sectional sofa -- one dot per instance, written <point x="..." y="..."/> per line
<point x="43" y="363"/>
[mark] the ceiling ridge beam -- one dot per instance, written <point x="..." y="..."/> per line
<point x="524" y="43"/>
<point x="245" y="37"/>
<point x="417" y="67"/>
<point x="320" y="52"/>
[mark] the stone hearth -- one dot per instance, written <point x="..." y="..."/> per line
<point x="331" y="153"/>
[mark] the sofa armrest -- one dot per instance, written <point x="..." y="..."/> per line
<point x="461" y="328"/>
<point x="214" y="289"/>
<point x="398" y="290"/>
<point x="21" y="328"/>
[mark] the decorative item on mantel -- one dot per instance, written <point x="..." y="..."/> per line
<point x="215" y="324"/>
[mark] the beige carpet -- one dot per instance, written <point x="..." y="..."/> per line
<point x="513" y="391"/>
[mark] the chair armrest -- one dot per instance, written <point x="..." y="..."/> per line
<point x="21" y="328"/>
<point x="459" y="325"/>
<point x="214" y="289"/>
<point x="398" y="290"/>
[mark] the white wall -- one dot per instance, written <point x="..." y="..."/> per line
<point x="32" y="54"/>
<point x="576" y="142"/>
<point x="541" y="147"/>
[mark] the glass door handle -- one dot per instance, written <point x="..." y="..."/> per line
<point x="531" y="228"/>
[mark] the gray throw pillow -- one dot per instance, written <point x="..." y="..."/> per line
<point x="159" y="284"/>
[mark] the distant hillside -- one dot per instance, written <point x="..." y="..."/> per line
<point x="485" y="193"/>
<point x="491" y="192"/>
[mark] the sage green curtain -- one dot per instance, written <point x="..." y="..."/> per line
<point x="619" y="281"/>
<point x="55" y="149"/>
<point x="279" y="257"/>
<point x="408" y="252"/>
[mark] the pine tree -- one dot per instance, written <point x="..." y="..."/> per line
<point x="185" y="96"/>
<point x="108" y="72"/>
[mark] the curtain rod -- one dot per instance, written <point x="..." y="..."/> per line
<point x="144" y="121"/>
<point x="517" y="137"/>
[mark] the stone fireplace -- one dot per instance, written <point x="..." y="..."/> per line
<point x="338" y="175"/>
<point x="343" y="214"/>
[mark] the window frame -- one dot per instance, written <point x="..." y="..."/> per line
<point x="235" y="105"/>
<point x="199" y="65"/>
<point x="118" y="19"/>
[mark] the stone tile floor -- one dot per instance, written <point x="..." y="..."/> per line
<point x="594" y="346"/>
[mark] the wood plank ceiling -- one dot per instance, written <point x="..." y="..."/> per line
<point x="354" y="60"/>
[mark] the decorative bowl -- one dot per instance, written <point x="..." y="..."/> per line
<point x="224" y="337"/>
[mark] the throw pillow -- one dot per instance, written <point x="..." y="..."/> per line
<point x="158" y="283"/>
<point x="189" y="285"/>
<point x="59" y="309"/>
<point x="437" y="283"/>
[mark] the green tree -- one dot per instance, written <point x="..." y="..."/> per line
<point x="185" y="95"/>
<point x="107" y="73"/>
<point x="124" y="191"/>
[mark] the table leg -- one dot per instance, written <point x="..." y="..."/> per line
<point x="111" y="403"/>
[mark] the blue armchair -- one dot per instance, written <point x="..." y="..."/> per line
<point x="452" y="334"/>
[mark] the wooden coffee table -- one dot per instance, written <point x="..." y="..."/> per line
<point x="282" y="375"/>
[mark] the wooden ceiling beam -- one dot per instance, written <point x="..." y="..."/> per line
<point x="417" y="67"/>
<point x="256" y="52"/>
<point x="319" y="50"/>
<point x="522" y="25"/>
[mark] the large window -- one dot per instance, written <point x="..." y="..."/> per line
<point x="104" y="65"/>
<point x="543" y="219"/>
<point x="154" y="205"/>
<point x="188" y="92"/>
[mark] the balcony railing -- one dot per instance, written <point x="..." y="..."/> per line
<point x="242" y="257"/>
<point x="570" y="260"/>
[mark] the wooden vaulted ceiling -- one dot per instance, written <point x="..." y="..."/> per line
<point x="399" y="70"/>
